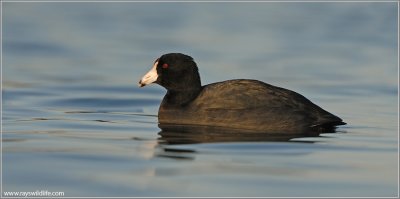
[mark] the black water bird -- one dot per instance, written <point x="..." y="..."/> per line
<point x="237" y="105"/>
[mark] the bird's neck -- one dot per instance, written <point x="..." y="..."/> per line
<point x="181" y="97"/>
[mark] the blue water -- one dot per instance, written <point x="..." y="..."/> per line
<point x="74" y="120"/>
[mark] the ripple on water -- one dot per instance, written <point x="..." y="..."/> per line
<point x="101" y="103"/>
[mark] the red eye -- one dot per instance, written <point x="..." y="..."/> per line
<point x="164" y="66"/>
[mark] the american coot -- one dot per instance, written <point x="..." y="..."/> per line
<point x="241" y="104"/>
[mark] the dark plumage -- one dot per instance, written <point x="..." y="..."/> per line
<point x="241" y="104"/>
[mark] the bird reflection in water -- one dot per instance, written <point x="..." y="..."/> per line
<point x="171" y="135"/>
<point x="185" y="134"/>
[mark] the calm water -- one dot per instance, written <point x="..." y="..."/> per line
<point x="75" y="121"/>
